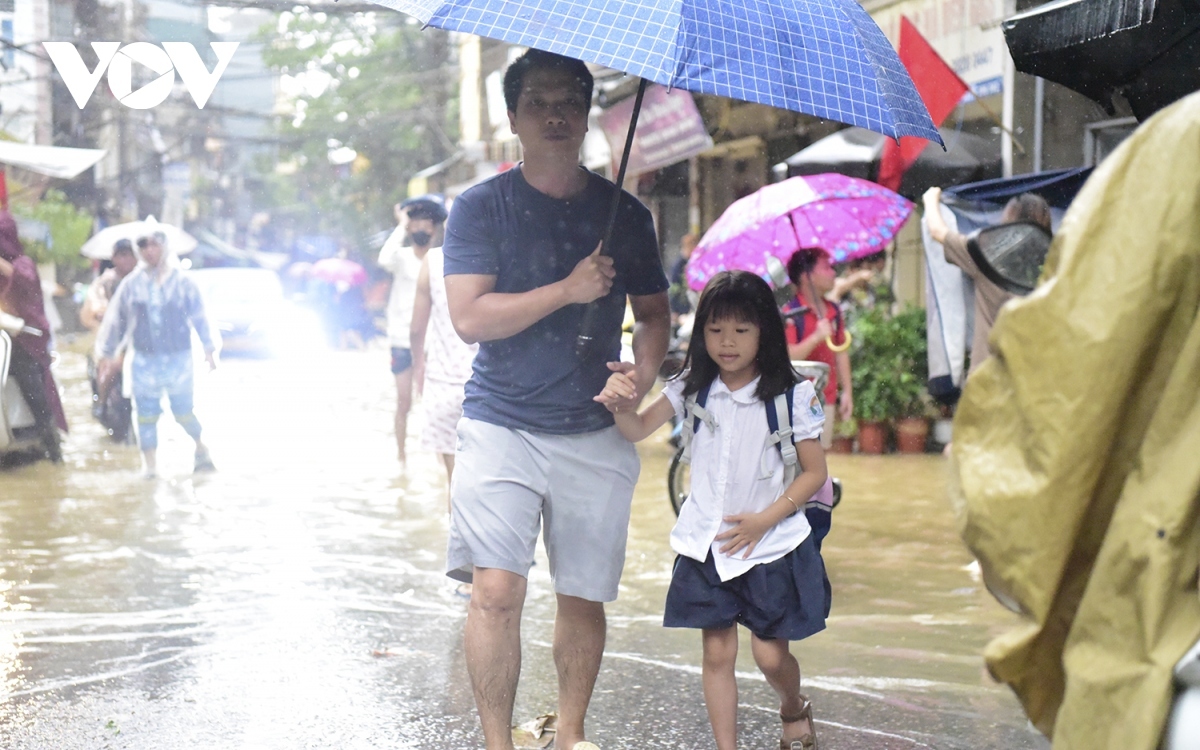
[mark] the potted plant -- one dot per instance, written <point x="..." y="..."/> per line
<point x="910" y="349"/>
<point x="872" y="423"/>
<point x="873" y="392"/>
<point x="843" y="437"/>
<point x="889" y="369"/>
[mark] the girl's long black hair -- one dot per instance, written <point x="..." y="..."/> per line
<point x="742" y="296"/>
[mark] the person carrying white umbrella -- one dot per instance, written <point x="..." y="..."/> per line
<point x="159" y="307"/>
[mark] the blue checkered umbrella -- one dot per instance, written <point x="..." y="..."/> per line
<point x="821" y="57"/>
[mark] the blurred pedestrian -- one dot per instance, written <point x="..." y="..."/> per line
<point x="746" y="552"/>
<point x="522" y="261"/>
<point x="419" y="220"/>
<point x="681" y="301"/>
<point x="989" y="297"/>
<point x="109" y="405"/>
<point x="441" y="361"/>
<point x="21" y="295"/>
<point x="818" y="337"/>
<point x="858" y="280"/>
<point x="104" y="286"/>
<point x="158" y="306"/>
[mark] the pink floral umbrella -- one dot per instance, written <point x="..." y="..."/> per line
<point x="338" y="271"/>
<point x="847" y="217"/>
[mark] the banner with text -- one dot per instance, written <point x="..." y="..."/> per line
<point x="669" y="130"/>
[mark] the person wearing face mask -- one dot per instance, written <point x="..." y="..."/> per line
<point x="419" y="219"/>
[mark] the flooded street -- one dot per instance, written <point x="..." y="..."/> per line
<point x="295" y="598"/>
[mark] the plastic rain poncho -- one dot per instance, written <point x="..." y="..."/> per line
<point x="1077" y="451"/>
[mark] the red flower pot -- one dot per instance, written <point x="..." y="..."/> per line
<point x="872" y="437"/>
<point x="911" y="434"/>
<point x="842" y="444"/>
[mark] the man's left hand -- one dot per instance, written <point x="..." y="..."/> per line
<point x="211" y="360"/>
<point x="845" y="407"/>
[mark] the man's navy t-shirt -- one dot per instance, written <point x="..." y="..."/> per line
<point x="503" y="227"/>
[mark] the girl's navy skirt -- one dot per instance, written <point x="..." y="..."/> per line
<point x="786" y="599"/>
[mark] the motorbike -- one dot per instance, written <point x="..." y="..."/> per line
<point x="18" y="428"/>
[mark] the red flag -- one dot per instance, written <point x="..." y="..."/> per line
<point x="940" y="89"/>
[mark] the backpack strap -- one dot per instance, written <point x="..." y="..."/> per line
<point x="818" y="509"/>
<point x="796" y="316"/>
<point x="779" y="422"/>
<point x="694" y="414"/>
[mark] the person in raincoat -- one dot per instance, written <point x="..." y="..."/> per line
<point x="21" y="295"/>
<point x="158" y="306"/>
<point x="1077" y="451"/>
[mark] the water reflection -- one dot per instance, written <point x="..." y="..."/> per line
<point x="245" y="608"/>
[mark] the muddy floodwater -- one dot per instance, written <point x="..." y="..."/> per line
<point x="295" y="598"/>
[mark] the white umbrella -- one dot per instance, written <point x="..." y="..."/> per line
<point x="100" y="246"/>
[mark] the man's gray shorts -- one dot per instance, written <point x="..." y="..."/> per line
<point x="507" y="481"/>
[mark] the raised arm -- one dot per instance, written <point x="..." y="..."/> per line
<point x="479" y="313"/>
<point x="933" y="214"/>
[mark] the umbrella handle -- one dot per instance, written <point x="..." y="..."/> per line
<point x="591" y="314"/>
<point x="839" y="348"/>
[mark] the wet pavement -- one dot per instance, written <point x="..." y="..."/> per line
<point x="245" y="609"/>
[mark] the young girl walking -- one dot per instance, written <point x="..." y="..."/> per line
<point x="745" y="549"/>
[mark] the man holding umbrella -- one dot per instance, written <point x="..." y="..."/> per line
<point x="522" y="261"/>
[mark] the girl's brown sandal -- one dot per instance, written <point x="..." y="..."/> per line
<point x="808" y="741"/>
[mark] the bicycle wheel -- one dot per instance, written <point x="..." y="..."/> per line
<point x="679" y="481"/>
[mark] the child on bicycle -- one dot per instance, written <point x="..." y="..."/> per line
<point x="745" y="550"/>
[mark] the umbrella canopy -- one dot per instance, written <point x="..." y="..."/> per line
<point x="847" y="217"/>
<point x="100" y="246"/>
<point x="820" y="57"/>
<point x="856" y="152"/>
<point x="338" y="271"/>
<point x="1148" y="51"/>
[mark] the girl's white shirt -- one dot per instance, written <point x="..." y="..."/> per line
<point x="733" y="472"/>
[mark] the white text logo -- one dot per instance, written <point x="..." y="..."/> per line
<point x="165" y="61"/>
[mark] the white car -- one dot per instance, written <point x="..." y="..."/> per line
<point x="246" y="309"/>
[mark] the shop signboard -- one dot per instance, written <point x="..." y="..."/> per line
<point x="669" y="129"/>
